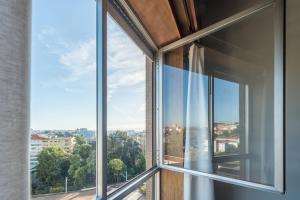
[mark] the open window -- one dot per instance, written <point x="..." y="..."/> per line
<point x="222" y="104"/>
<point x="191" y="90"/>
<point x="126" y="158"/>
<point x="216" y="105"/>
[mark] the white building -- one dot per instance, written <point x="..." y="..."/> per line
<point x="66" y="143"/>
<point x="38" y="143"/>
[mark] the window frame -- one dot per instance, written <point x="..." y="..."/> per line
<point x="144" y="41"/>
<point x="138" y="34"/>
<point x="279" y="142"/>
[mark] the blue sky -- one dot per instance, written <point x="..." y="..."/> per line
<point x="63" y="69"/>
<point x="226" y="100"/>
<point x="63" y="72"/>
<point x="226" y="97"/>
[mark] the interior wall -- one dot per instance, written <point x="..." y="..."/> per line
<point x="14" y="98"/>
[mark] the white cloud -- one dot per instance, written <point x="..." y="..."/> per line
<point x="126" y="62"/>
<point x="77" y="58"/>
<point x="124" y="120"/>
<point x="142" y="108"/>
<point x="126" y="69"/>
<point x="51" y="39"/>
<point x="120" y="78"/>
<point x="80" y="60"/>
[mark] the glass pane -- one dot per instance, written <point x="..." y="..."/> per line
<point x="218" y="102"/>
<point x="178" y="102"/>
<point x="63" y="99"/>
<point x="129" y="108"/>
<point x="226" y="117"/>
<point x="230" y="169"/>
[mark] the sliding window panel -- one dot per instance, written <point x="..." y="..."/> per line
<point x="222" y="103"/>
<point x="184" y="92"/>
<point x="129" y="108"/>
<point x="63" y="99"/>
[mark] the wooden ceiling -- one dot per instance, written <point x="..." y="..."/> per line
<point x="167" y="20"/>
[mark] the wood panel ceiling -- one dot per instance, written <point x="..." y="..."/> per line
<point x="157" y="18"/>
<point x="167" y="20"/>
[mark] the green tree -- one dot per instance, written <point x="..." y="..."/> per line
<point x="82" y="168"/>
<point x="116" y="168"/>
<point x="53" y="165"/>
<point x="120" y="146"/>
<point x="91" y="163"/>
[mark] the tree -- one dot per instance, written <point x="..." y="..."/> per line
<point x="116" y="168"/>
<point x="120" y="146"/>
<point x="91" y="163"/>
<point x="53" y="165"/>
<point x="82" y="168"/>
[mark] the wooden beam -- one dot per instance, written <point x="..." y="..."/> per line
<point x="157" y="18"/>
<point x="181" y="16"/>
<point x="172" y="185"/>
<point x="193" y="7"/>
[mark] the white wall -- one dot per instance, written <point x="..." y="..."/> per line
<point x="14" y="98"/>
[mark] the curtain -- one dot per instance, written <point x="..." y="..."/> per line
<point x="198" y="148"/>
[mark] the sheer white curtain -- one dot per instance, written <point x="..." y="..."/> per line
<point x="198" y="155"/>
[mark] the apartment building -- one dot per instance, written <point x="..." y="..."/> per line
<point x="38" y="143"/>
<point x="66" y="143"/>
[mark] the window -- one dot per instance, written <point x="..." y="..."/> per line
<point x="63" y="99"/>
<point x="129" y="108"/>
<point x="222" y="103"/>
<point x="218" y="101"/>
<point x="124" y="106"/>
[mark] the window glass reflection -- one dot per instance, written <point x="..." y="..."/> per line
<point x="218" y="102"/>
<point x="129" y="108"/>
<point x="226" y="117"/>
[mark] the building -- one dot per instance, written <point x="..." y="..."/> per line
<point x="222" y="144"/>
<point x="220" y="128"/>
<point x="87" y="134"/>
<point x="66" y="143"/>
<point x="37" y="144"/>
